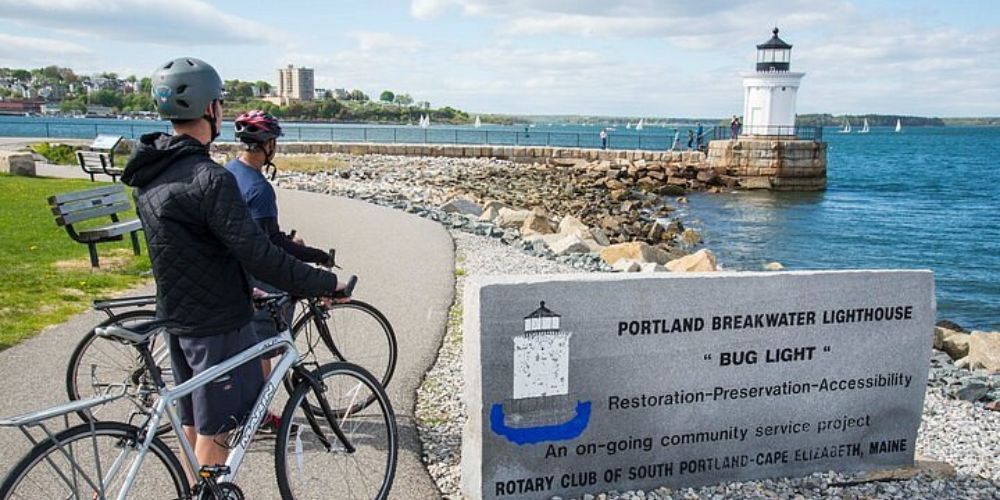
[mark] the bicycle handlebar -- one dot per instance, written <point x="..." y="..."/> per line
<point x="281" y="298"/>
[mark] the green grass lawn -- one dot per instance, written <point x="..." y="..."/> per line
<point x="45" y="277"/>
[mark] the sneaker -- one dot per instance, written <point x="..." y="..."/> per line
<point x="270" y="424"/>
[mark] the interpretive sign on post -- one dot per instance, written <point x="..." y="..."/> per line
<point x="588" y="383"/>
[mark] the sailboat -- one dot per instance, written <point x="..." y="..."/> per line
<point x="847" y="127"/>
<point x="899" y="125"/>
<point x="638" y="126"/>
<point x="629" y="126"/>
<point x="478" y="123"/>
<point x="425" y="121"/>
<point x="864" y="129"/>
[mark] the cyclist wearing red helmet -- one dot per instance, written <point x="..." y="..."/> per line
<point x="258" y="132"/>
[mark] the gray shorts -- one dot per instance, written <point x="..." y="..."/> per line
<point x="224" y="403"/>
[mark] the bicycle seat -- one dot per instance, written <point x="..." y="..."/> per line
<point x="135" y="334"/>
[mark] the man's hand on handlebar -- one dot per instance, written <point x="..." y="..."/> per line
<point x="342" y="294"/>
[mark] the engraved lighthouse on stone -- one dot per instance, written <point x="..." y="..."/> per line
<point x="541" y="407"/>
<point x="541" y="356"/>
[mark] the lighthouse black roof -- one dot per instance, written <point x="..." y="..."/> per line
<point x="542" y="312"/>
<point x="774" y="42"/>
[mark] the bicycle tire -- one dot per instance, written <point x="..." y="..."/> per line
<point x="89" y="340"/>
<point x="361" y="431"/>
<point x="40" y="454"/>
<point x="345" y="343"/>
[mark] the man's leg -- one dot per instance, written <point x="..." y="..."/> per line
<point x="209" y="451"/>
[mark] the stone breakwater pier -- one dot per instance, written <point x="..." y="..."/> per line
<point x="748" y="163"/>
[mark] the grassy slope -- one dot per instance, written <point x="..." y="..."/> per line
<point x="35" y="291"/>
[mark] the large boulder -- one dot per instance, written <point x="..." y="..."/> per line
<point x="956" y="344"/>
<point x="17" y="163"/>
<point x="569" y="244"/>
<point x="508" y="217"/>
<point x="984" y="351"/>
<point x="600" y="236"/>
<point x="701" y="261"/>
<point x="462" y="206"/>
<point x="690" y="237"/>
<point x="571" y="226"/>
<point x="626" y="266"/>
<point x="492" y="209"/>
<point x="536" y="224"/>
<point x="941" y="333"/>
<point x="638" y="251"/>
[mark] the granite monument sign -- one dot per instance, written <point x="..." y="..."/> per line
<point x="587" y="383"/>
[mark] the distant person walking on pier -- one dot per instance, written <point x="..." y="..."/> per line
<point x="734" y="128"/>
<point x="690" y="139"/>
<point x="699" y="135"/>
<point x="604" y="139"/>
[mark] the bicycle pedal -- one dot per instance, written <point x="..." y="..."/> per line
<point x="213" y="471"/>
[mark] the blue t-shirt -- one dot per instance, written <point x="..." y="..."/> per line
<point x="257" y="192"/>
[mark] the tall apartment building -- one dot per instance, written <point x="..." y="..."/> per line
<point x="295" y="83"/>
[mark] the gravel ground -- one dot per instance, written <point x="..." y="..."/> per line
<point x="960" y="433"/>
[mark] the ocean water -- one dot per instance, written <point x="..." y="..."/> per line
<point x="926" y="198"/>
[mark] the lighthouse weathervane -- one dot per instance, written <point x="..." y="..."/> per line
<point x="769" y="93"/>
<point x="541" y="408"/>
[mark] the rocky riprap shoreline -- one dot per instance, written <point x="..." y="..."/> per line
<point x="957" y="429"/>
<point x="590" y="215"/>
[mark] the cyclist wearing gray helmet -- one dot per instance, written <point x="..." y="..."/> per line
<point x="204" y="246"/>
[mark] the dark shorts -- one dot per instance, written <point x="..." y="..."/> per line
<point x="224" y="403"/>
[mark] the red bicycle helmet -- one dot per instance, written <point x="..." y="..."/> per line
<point x="257" y="127"/>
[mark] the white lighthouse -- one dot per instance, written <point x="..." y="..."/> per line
<point x="541" y="357"/>
<point x="769" y="93"/>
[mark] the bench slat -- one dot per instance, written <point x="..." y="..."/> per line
<point x="82" y="195"/>
<point x="93" y="213"/>
<point x="110" y="231"/>
<point x="81" y="205"/>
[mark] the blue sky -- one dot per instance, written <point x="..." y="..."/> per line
<point x="632" y="57"/>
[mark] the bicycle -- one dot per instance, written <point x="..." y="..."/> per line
<point x="139" y="463"/>
<point x="354" y="331"/>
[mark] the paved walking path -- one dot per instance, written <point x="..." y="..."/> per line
<point x="406" y="269"/>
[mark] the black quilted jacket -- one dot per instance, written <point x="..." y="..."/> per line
<point x="202" y="241"/>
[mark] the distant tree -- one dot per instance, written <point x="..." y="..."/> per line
<point x="51" y="72"/>
<point x="20" y="74"/>
<point x="403" y="99"/>
<point x="386" y="96"/>
<point x="73" y="106"/>
<point x="67" y="75"/>
<point x="106" y="97"/>
<point x="263" y="87"/>
<point x="131" y="79"/>
<point x="146" y="85"/>
<point x="5" y="92"/>
<point x="110" y="75"/>
<point x="357" y="95"/>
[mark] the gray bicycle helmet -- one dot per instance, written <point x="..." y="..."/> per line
<point x="184" y="87"/>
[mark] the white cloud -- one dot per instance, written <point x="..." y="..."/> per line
<point x="18" y="51"/>
<point x="428" y="9"/>
<point x="371" y="41"/>
<point x="175" y="22"/>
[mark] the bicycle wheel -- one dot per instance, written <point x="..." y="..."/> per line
<point x="99" y="365"/>
<point x="102" y="456"/>
<point x="355" y="332"/>
<point x="308" y="468"/>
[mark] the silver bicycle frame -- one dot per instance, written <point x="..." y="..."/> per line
<point x="168" y="398"/>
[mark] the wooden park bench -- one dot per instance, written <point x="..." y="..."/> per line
<point x="100" y="157"/>
<point x="108" y="201"/>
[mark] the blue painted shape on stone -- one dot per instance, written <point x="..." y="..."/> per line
<point x="532" y="435"/>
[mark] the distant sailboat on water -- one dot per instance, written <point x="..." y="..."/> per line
<point x="629" y="126"/>
<point x="847" y="127"/>
<point x="899" y="126"/>
<point x="638" y="126"/>
<point x="425" y="121"/>
<point x="478" y="123"/>
<point x="864" y="129"/>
